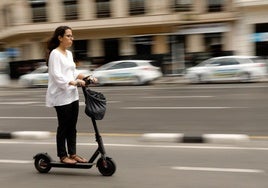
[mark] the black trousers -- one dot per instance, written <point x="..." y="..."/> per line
<point x="66" y="131"/>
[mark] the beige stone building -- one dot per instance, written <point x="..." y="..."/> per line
<point x="175" y="33"/>
<point x="251" y="29"/>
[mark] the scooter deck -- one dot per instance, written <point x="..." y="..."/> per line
<point x="77" y="165"/>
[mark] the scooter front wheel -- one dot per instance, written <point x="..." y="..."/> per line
<point x="42" y="163"/>
<point x="106" y="166"/>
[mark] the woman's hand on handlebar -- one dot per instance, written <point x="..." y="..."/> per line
<point x="80" y="83"/>
<point x="90" y="80"/>
<point x="93" y="79"/>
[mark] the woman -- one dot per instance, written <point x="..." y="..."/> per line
<point x="62" y="93"/>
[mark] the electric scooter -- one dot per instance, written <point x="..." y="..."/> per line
<point x="106" y="166"/>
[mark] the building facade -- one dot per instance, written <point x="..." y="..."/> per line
<point x="175" y="33"/>
<point x="251" y="31"/>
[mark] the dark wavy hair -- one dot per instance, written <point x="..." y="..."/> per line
<point x="54" y="40"/>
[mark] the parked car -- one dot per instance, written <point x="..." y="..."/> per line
<point x="134" y="72"/>
<point x="39" y="77"/>
<point x="228" y="68"/>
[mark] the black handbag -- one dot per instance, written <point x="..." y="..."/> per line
<point x="95" y="103"/>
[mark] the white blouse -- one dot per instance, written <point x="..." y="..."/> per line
<point x="61" y="70"/>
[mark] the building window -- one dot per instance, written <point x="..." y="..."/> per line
<point x="213" y="43"/>
<point x="261" y="39"/>
<point x="215" y="5"/>
<point x="7" y="16"/>
<point x="136" y="7"/>
<point x="111" y="49"/>
<point x="80" y="48"/>
<point x="39" y="13"/>
<point x="103" y="8"/>
<point x="70" y="9"/>
<point x="261" y="28"/>
<point x="182" y="5"/>
<point x="143" y="45"/>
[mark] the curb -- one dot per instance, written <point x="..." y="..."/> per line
<point x="204" y="138"/>
<point x="35" y="135"/>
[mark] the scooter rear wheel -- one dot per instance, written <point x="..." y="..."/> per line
<point x="42" y="164"/>
<point x="106" y="166"/>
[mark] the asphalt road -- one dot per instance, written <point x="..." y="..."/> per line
<point x="190" y="109"/>
<point x="147" y="165"/>
<point x="223" y="108"/>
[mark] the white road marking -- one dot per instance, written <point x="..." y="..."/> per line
<point x="19" y="103"/>
<point x="82" y="103"/>
<point x="186" y="168"/>
<point x="140" y="145"/>
<point x="178" y="108"/>
<point x="8" y="161"/>
<point x="176" y="97"/>
<point x="16" y="117"/>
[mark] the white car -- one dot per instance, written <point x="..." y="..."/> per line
<point x="228" y="68"/>
<point x="39" y="77"/>
<point x="134" y="72"/>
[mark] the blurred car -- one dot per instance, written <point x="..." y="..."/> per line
<point x="228" y="68"/>
<point x="39" y="77"/>
<point x="134" y="72"/>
